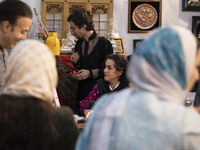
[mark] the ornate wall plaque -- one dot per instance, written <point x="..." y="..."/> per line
<point x="144" y="15"/>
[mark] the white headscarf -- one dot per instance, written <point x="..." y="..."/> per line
<point x="164" y="62"/>
<point x="31" y="71"/>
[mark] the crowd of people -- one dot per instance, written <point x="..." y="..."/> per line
<point x="137" y="103"/>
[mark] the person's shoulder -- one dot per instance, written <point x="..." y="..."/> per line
<point x="79" y="41"/>
<point x="102" y="38"/>
<point x="104" y="42"/>
<point x="101" y="81"/>
<point x="64" y="117"/>
<point x="64" y="111"/>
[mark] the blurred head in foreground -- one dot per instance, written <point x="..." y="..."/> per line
<point x="31" y="71"/>
<point x="166" y="62"/>
<point x="151" y="113"/>
<point x="28" y="121"/>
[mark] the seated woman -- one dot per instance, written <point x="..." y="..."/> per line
<point x="28" y="121"/>
<point x="151" y="114"/>
<point x="114" y="80"/>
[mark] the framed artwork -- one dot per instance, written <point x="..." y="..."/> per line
<point x="136" y="43"/>
<point x="144" y="15"/>
<point x="196" y="26"/>
<point x="119" y="49"/>
<point x="190" y="5"/>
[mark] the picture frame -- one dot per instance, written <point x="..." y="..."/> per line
<point x="190" y="5"/>
<point x="196" y="26"/>
<point x="139" y="20"/>
<point x="136" y="43"/>
<point x="119" y="49"/>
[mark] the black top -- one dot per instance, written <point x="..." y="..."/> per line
<point x="103" y="86"/>
<point x="100" y="48"/>
<point x="92" y="55"/>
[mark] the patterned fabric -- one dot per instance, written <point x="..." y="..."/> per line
<point x="151" y="113"/>
<point x="91" y="98"/>
<point x="101" y="88"/>
<point x="67" y="85"/>
<point x="31" y="71"/>
<point x="67" y="60"/>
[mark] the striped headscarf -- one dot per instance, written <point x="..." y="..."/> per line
<point x="31" y="71"/>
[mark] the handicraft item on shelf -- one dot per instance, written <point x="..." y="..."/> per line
<point x="191" y="5"/>
<point x="41" y="31"/>
<point x="119" y="47"/>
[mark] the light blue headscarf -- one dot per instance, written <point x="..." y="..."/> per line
<point x="163" y="64"/>
<point x="159" y="70"/>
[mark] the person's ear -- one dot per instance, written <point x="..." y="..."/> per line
<point x="85" y="26"/>
<point x="120" y="73"/>
<point x="6" y="26"/>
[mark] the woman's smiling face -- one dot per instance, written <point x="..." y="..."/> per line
<point x="111" y="75"/>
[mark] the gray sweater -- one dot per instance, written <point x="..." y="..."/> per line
<point x="3" y="64"/>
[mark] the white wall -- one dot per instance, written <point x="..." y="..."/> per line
<point x="34" y="4"/>
<point x="172" y="14"/>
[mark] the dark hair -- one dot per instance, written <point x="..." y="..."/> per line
<point x="27" y="124"/>
<point x="120" y="63"/>
<point x="11" y="10"/>
<point x="80" y="17"/>
<point x="198" y="43"/>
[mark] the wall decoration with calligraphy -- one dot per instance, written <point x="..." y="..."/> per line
<point x="143" y="15"/>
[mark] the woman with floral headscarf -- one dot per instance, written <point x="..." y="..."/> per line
<point x="28" y="121"/>
<point x="151" y="114"/>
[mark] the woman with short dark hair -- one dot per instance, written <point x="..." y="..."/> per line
<point x="114" y="80"/>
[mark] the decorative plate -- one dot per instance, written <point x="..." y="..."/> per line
<point x="144" y="16"/>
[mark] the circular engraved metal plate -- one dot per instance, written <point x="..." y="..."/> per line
<point x="144" y="16"/>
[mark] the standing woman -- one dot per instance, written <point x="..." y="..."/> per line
<point x="114" y="80"/>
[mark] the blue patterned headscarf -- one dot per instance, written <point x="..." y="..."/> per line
<point x="162" y="67"/>
<point x="163" y="62"/>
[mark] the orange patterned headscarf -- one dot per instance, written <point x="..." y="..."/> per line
<point x="31" y="71"/>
